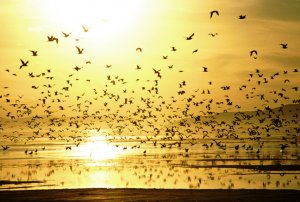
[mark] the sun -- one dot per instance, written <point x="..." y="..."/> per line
<point x="97" y="149"/>
<point x="113" y="16"/>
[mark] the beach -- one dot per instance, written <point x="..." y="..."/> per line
<point x="150" y="195"/>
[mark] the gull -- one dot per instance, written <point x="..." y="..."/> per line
<point x="253" y="52"/>
<point x="195" y="51"/>
<point x="85" y="29"/>
<point x="165" y="57"/>
<point x="66" y="35"/>
<point x="23" y="63"/>
<point x="241" y="17"/>
<point x="212" y="13"/>
<point x="284" y="45"/>
<point x="190" y="37"/>
<point x="213" y="35"/>
<point x="77" y="68"/>
<point x="108" y="66"/>
<point x="139" y="49"/>
<point x="34" y="53"/>
<point x="204" y="69"/>
<point x="4" y="147"/>
<point x="80" y="50"/>
<point x="52" y="38"/>
<point x="173" y="48"/>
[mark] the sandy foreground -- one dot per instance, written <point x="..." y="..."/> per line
<point x="149" y="195"/>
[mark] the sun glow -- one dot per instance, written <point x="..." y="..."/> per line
<point x="98" y="149"/>
<point x="110" y="16"/>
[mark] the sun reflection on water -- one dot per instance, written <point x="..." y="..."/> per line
<point x="98" y="149"/>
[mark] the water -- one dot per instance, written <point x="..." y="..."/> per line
<point x="212" y="153"/>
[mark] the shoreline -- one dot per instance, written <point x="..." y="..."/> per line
<point x="102" y="194"/>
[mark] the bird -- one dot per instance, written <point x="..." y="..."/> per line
<point x="66" y="35"/>
<point x="173" y="48"/>
<point x="77" y="68"/>
<point x="284" y="45"/>
<point x="242" y="17"/>
<point x="139" y="49"/>
<point x="108" y="66"/>
<point x="212" y="13"/>
<point x="204" y="69"/>
<point x="34" y="53"/>
<point x="24" y="64"/>
<point x="253" y="52"/>
<point x="213" y="34"/>
<point x="195" y="51"/>
<point x="4" y="147"/>
<point x="80" y="50"/>
<point x="190" y="37"/>
<point x="85" y="29"/>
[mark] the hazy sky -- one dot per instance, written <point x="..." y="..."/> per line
<point x="117" y="28"/>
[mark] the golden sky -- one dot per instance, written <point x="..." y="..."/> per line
<point x="118" y="27"/>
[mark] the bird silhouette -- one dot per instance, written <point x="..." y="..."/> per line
<point x="252" y="53"/>
<point x="242" y="17"/>
<point x="85" y="29"/>
<point x="79" y="50"/>
<point x="139" y="49"/>
<point x="214" y="12"/>
<point x="24" y="63"/>
<point x="66" y="34"/>
<point x="34" y="53"/>
<point x="195" y="51"/>
<point x="284" y="45"/>
<point x="190" y="37"/>
<point x="213" y="34"/>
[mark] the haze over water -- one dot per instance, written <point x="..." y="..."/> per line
<point x="149" y="94"/>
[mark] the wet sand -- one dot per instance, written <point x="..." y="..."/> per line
<point x="150" y="195"/>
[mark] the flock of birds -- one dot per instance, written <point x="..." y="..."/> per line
<point x="189" y="119"/>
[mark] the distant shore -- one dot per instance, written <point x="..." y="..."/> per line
<point x="96" y="194"/>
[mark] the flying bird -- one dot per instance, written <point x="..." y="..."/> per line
<point x="190" y="37"/>
<point x="85" y="29"/>
<point x="66" y="35"/>
<point x="253" y="52"/>
<point x="34" y="53"/>
<point x="284" y="45"/>
<point x="204" y="69"/>
<point x="24" y="64"/>
<point x="214" y="12"/>
<point x="213" y="34"/>
<point x="242" y="17"/>
<point x="139" y="49"/>
<point x="80" y="50"/>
